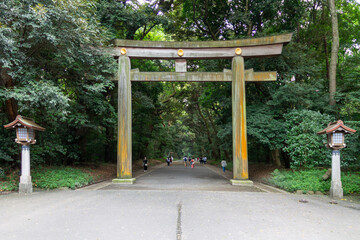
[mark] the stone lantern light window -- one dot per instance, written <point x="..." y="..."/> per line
<point x="22" y="133"/>
<point x="338" y="138"/>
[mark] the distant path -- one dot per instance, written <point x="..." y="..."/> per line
<point x="179" y="177"/>
<point x="176" y="177"/>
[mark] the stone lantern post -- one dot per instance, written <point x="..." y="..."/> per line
<point x="335" y="132"/>
<point x="25" y="135"/>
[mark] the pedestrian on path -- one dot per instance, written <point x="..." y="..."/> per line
<point x="192" y="163"/>
<point x="145" y="164"/>
<point x="185" y="161"/>
<point x="223" y="165"/>
<point x="168" y="161"/>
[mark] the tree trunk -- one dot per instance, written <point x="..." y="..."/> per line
<point x="334" y="52"/>
<point x="286" y="158"/>
<point x="275" y="154"/>
<point x="110" y="155"/>
<point x="11" y="107"/>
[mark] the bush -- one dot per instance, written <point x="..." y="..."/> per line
<point x="311" y="180"/>
<point x="350" y="154"/>
<point x="2" y="174"/>
<point x="305" y="147"/>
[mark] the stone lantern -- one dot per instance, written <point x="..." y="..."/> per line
<point x="335" y="132"/>
<point x="25" y="135"/>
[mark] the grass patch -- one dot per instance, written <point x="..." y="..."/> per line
<point x="9" y="183"/>
<point x="50" y="178"/>
<point x="311" y="180"/>
<point x="57" y="177"/>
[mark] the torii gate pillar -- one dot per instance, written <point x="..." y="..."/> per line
<point x="240" y="155"/>
<point x="124" y="145"/>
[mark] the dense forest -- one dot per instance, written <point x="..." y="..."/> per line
<point x="52" y="71"/>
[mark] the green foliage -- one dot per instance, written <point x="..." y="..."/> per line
<point x="350" y="154"/>
<point x="50" y="178"/>
<point x="311" y="180"/>
<point x="2" y="173"/>
<point x="10" y="183"/>
<point x="304" y="146"/>
<point x="8" y="147"/>
<point x="57" y="177"/>
<point x="8" y="186"/>
<point x="52" y="72"/>
<point x="264" y="127"/>
<point x="130" y="20"/>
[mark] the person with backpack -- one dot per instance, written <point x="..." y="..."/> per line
<point x="185" y="161"/>
<point x="223" y="165"/>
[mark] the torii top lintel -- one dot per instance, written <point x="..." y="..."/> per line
<point x="250" y="47"/>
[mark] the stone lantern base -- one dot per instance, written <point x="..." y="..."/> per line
<point x="25" y="185"/>
<point x="336" y="190"/>
<point x="25" y="188"/>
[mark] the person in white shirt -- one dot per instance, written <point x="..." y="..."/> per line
<point x="223" y="165"/>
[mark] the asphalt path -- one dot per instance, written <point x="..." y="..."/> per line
<point x="174" y="203"/>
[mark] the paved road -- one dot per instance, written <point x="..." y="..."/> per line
<point x="177" y="177"/>
<point x="174" y="203"/>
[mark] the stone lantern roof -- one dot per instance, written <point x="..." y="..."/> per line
<point x="21" y="121"/>
<point x="336" y="127"/>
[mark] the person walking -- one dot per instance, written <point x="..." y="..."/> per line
<point x="185" y="161"/>
<point x="145" y="164"/>
<point x="223" y="165"/>
<point x="168" y="161"/>
<point x="192" y="163"/>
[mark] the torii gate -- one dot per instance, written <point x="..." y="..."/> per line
<point x="125" y="50"/>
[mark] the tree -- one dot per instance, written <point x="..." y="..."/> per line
<point x="131" y="20"/>
<point x="334" y="52"/>
<point x="50" y="71"/>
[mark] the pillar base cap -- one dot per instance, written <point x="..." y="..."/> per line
<point x="337" y="192"/>
<point x="245" y="182"/>
<point x="25" y="188"/>
<point x="124" y="180"/>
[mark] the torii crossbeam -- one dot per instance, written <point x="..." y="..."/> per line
<point x="180" y="51"/>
